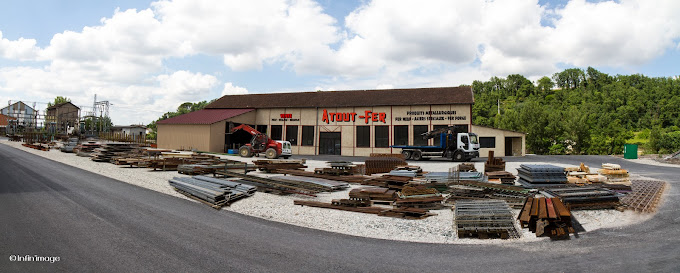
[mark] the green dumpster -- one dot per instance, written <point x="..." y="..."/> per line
<point x="630" y="151"/>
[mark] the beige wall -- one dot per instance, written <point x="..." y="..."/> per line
<point x="518" y="141"/>
<point x="185" y="136"/>
<point x="393" y="115"/>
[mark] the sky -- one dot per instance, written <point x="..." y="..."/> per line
<point x="148" y="57"/>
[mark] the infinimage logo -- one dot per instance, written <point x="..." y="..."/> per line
<point x="351" y="117"/>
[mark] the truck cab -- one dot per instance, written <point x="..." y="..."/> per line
<point x="468" y="147"/>
<point x="286" y="148"/>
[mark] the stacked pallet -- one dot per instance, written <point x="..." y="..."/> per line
<point x="383" y="164"/>
<point x="494" y="164"/>
<point x="645" y="197"/>
<point x="268" y="165"/>
<point x="541" y="175"/>
<point x="546" y="217"/>
<point x="502" y="177"/>
<point x="107" y="152"/>
<point x="484" y="219"/>
<point x="587" y="197"/>
<point x="614" y="174"/>
<point x="86" y="149"/>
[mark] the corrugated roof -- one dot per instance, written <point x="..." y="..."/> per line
<point x="418" y="96"/>
<point x="205" y="116"/>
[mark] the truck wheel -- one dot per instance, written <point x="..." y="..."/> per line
<point x="286" y="157"/>
<point x="458" y="156"/>
<point x="406" y="154"/>
<point x="244" y="151"/>
<point x="271" y="153"/>
<point x="416" y="155"/>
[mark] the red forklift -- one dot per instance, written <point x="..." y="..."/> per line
<point x="261" y="143"/>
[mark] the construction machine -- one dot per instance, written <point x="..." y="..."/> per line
<point x="458" y="146"/>
<point x="261" y="143"/>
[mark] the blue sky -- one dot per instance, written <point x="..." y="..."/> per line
<point x="147" y="57"/>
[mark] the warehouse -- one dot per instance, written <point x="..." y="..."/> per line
<point x="349" y="123"/>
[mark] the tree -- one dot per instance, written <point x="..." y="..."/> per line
<point x="58" y="100"/>
<point x="545" y="85"/>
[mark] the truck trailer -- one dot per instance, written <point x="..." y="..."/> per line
<point x="455" y="145"/>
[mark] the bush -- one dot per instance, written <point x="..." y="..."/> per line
<point x="669" y="142"/>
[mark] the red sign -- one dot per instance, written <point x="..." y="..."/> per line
<point x="286" y="115"/>
<point x="347" y="117"/>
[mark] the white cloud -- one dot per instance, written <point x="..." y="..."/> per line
<point x="384" y="44"/>
<point x="230" y="89"/>
<point x="21" y="49"/>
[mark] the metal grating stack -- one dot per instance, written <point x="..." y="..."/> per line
<point x="214" y="192"/>
<point x="646" y="195"/>
<point x="484" y="219"/>
<point x="586" y="197"/>
<point x="383" y="164"/>
<point x="541" y="175"/>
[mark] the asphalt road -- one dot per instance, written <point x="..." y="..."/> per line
<point x="93" y="223"/>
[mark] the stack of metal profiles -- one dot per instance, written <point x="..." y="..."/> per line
<point x="329" y="184"/>
<point x="409" y="173"/>
<point x="462" y="192"/>
<point x="212" y="191"/>
<point x="455" y="176"/>
<point x="546" y="217"/>
<point x="484" y="219"/>
<point x="586" y="197"/>
<point x="541" y="175"/>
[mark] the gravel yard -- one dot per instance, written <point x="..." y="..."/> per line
<point x="436" y="229"/>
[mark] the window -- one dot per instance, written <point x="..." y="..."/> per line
<point x="277" y="132"/>
<point x="292" y="134"/>
<point x="261" y="129"/>
<point x="363" y="136"/>
<point x="487" y="142"/>
<point x="401" y="135"/>
<point x="382" y="136"/>
<point x="417" y="137"/>
<point x="307" y="135"/>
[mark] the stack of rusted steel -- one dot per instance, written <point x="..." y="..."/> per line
<point x="484" y="219"/>
<point x="383" y="164"/>
<point x="546" y="217"/>
<point x="375" y="194"/>
<point x="419" y="197"/>
<point x="396" y="182"/>
<point x="494" y="164"/>
<point x="345" y="178"/>
<point x="348" y="205"/>
<point x="502" y="177"/>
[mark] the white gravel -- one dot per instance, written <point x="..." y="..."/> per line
<point x="435" y="229"/>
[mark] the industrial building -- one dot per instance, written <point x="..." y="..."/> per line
<point x="349" y="123"/>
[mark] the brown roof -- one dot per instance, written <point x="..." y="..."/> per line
<point x="4" y="119"/>
<point x="62" y="104"/>
<point x="205" y="116"/>
<point x="417" y="96"/>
